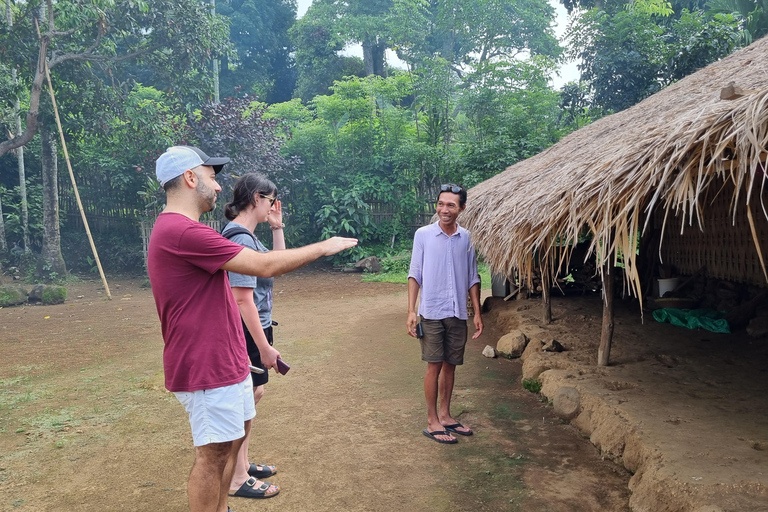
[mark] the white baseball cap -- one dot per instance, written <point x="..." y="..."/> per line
<point x="178" y="159"/>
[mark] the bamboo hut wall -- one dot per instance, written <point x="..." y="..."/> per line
<point x="724" y="245"/>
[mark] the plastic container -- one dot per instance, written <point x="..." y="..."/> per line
<point x="667" y="285"/>
<point x="499" y="286"/>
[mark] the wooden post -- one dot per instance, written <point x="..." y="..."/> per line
<point x="606" y="335"/>
<point x="546" y="297"/>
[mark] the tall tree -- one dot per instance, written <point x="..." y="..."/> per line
<point x="318" y="44"/>
<point x="630" y="54"/>
<point x="52" y="263"/>
<point x="262" y="63"/>
<point x="469" y="33"/>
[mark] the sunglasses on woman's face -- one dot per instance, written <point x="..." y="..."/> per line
<point x="271" y="199"/>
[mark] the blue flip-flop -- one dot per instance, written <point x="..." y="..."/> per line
<point x="434" y="433"/>
<point x="454" y="429"/>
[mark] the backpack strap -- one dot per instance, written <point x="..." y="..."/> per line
<point x="237" y="230"/>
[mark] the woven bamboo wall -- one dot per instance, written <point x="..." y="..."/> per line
<point x="724" y="245"/>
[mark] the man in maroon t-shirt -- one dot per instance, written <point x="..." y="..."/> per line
<point x="205" y="359"/>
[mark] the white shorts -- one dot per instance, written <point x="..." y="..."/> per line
<point x="218" y="415"/>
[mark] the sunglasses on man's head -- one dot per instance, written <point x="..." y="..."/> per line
<point x="450" y="188"/>
<point x="271" y="199"/>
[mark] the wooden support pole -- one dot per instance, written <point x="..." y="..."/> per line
<point x="606" y="335"/>
<point x="546" y="297"/>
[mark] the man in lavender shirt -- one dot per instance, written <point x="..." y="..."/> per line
<point x="444" y="267"/>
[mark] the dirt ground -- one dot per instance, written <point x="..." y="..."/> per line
<point x="86" y="424"/>
<point x="686" y="412"/>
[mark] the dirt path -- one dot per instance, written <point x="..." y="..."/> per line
<point x="85" y="423"/>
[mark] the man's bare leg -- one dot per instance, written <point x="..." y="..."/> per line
<point x="240" y="474"/>
<point x="204" y="490"/>
<point x="229" y="469"/>
<point x="447" y="377"/>
<point x="431" y="379"/>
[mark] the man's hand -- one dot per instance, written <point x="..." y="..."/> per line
<point x="337" y="244"/>
<point x="478" y="326"/>
<point x="269" y="357"/>
<point x="410" y="324"/>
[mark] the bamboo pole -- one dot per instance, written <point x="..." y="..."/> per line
<point x="72" y="174"/>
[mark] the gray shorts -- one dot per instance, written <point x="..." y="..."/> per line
<point x="444" y="340"/>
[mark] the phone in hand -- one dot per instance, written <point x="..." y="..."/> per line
<point x="419" y="330"/>
<point x="282" y="366"/>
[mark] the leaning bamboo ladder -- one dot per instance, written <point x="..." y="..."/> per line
<point x="72" y="174"/>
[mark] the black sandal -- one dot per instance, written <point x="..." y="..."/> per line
<point x="254" y="470"/>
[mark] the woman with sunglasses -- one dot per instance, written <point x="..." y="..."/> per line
<point x="254" y="201"/>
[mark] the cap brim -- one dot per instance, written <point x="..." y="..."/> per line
<point x="217" y="163"/>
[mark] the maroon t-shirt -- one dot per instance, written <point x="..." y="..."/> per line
<point x="200" y="321"/>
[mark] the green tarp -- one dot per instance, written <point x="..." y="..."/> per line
<point x="708" y="319"/>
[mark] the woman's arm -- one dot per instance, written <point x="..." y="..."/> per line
<point x="250" y="314"/>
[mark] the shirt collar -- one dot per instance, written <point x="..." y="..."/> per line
<point x="439" y="230"/>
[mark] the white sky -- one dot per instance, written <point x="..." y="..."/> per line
<point x="568" y="71"/>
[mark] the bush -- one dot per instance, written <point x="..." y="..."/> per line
<point x="532" y="385"/>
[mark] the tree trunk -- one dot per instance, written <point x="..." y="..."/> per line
<point x="606" y="335"/>
<point x="368" y="58"/>
<point x="52" y="261"/>
<point x="3" y="242"/>
<point x="22" y="176"/>
<point x="373" y="58"/>
<point x="19" y="150"/>
<point x="546" y="297"/>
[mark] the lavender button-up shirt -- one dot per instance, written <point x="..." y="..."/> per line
<point x="445" y="268"/>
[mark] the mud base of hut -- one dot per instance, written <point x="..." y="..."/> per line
<point x="686" y="412"/>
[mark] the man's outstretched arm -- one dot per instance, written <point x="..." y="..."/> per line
<point x="275" y="263"/>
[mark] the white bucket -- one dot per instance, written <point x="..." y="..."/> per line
<point x="667" y="285"/>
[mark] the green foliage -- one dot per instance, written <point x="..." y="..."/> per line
<point x="261" y="63"/>
<point x="633" y="53"/>
<point x="532" y="385"/>
<point x="11" y="200"/>
<point x="394" y="269"/>
<point x="752" y="16"/>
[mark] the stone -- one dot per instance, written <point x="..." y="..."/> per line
<point x="512" y="344"/>
<point x="758" y="327"/>
<point x="369" y="264"/>
<point x="53" y="294"/>
<point x="12" y="295"/>
<point x="48" y="294"/>
<point x="36" y="293"/>
<point x="567" y="402"/>
<point x="489" y="351"/>
<point x="552" y="346"/>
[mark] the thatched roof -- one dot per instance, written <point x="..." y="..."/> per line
<point x="609" y="176"/>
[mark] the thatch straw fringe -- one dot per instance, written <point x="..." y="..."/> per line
<point x="674" y="151"/>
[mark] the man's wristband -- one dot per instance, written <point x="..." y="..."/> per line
<point x="275" y="228"/>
